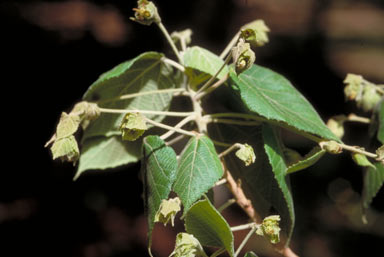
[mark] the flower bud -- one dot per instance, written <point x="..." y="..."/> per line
<point x="168" y="210"/>
<point x="133" y="126"/>
<point x="243" y="56"/>
<point x="86" y="110"/>
<point x="354" y="87"/>
<point x="336" y="125"/>
<point x="370" y="98"/>
<point x="255" y="33"/>
<point x="246" y="154"/>
<point x="187" y="246"/>
<point x="270" y="229"/>
<point x="331" y="147"/>
<point x="66" y="149"/>
<point x="146" y="13"/>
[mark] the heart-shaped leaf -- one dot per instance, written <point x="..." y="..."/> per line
<point x="199" y="169"/>
<point x="270" y="95"/>
<point x="208" y="226"/>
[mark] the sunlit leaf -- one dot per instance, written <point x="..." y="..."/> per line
<point x="272" y="96"/>
<point x="199" y="169"/>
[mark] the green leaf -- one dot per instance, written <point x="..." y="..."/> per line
<point x="159" y="172"/>
<point x="199" y="169"/>
<point x="205" y="61"/>
<point x="373" y="181"/>
<point x="66" y="149"/>
<point x="270" y="95"/>
<point x="274" y="149"/>
<point x="250" y="254"/>
<point x="144" y="73"/>
<point x="380" y="132"/>
<point x="362" y="160"/>
<point x="107" y="152"/>
<point x="308" y="160"/>
<point x="208" y="226"/>
<point x="68" y="125"/>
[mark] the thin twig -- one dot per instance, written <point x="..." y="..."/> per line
<point x="358" y="150"/>
<point x="160" y="125"/>
<point x="226" y="204"/>
<point x="353" y="117"/>
<point x="230" y="45"/>
<point x="245" y="240"/>
<point x="218" y="252"/>
<point x="213" y="87"/>
<point x="173" y="63"/>
<point x="230" y="149"/>
<point x="170" y="41"/>
<point x="178" y="125"/>
<point x="122" y="111"/>
<point x="244" y="227"/>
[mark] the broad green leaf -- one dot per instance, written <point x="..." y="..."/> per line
<point x="250" y="254"/>
<point x="144" y="73"/>
<point x="158" y="169"/>
<point x="198" y="170"/>
<point x="107" y="152"/>
<point x="373" y="181"/>
<point x="274" y="149"/>
<point x="270" y="95"/>
<point x="208" y="226"/>
<point x="308" y="160"/>
<point x="203" y="60"/>
<point x="380" y="132"/>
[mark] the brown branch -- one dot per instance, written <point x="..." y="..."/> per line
<point x="246" y="205"/>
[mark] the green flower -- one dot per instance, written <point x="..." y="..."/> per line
<point x="66" y="149"/>
<point x="270" y="229"/>
<point x="255" y="33"/>
<point x="246" y="154"/>
<point x="243" y="57"/>
<point x="187" y="246"/>
<point x="146" y="13"/>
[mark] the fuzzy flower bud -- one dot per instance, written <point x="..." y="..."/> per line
<point x="133" y="126"/>
<point x="246" y="154"/>
<point x="270" y="229"/>
<point x="187" y="246"/>
<point x="168" y="210"/>
<point x="243" y="56"/>
<point x="146" y="13"/>
<point x="255" y="33"/>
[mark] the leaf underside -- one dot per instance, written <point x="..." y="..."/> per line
<point x="373" y="181"/>
<point x="198" y="170"/>
<point x="208" y="226"/>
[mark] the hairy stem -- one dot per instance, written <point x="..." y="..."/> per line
<point x="244" y="227"/>
<point x="355" y="149"/>
<point x="231" y="44"/>
<point x="230" y="149"/>
<point x="245" y="240"/>
<point x="213" y="87"/>
<point x="353" y="117"/>
<point x="170" y="41"/>
<point x="226" y="204"/>
<point x="174" y="114"/>
<point x="178" y="125"/>
<point x="160" y="125"/>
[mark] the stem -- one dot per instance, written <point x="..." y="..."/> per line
<point x="175" y="140"/>
<point x="245" y="240"/>
<point x="235" y="115"/>
<point x="358" y="150"/>
<point x="244" y="227"/>
<point x="213" y="87"/>
<point x="355" y="118"/>
<point x="128" y="96"/>
<point x="210" y="81"/>
<point x="230" y="149"/>
<point x="218" y="143"/>
<point x="160" y="125"/>
<point x="173" y="63"/>
<point x="230" y="45"/>
<point x="178" y="125"/>
<point x="226" y="204"/>
<point x="233" y="122"/>
<point x="170" y="41"/>
<point x="218" y="252"/>
<point x="174" y="114"/>
<point x="220" y="182"/>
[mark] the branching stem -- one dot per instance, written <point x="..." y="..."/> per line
<point x="213" y="87"/>
<point x="245" y="240"/>
<point x="160" y="125"/>
<point x="244" y="227"/>
<point x="173" y="63"/>
<point x="231" y="44"/>
<point x="178" y="125"/>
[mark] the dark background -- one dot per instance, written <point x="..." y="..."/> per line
<point x="52" y="51"/>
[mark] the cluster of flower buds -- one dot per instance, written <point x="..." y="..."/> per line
<point x="365" y="93"/>
<point x="64" y="144"/>
<point x="146" y="13"/>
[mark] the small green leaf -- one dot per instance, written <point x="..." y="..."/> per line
<point x="373" y="181"/>
<point x="133" y="126"/>
<point x="187" y="246"/>
<point x="142" y="74"/>
<point x="158" y="169"/>
<point x="362" y="160"/>
<point x="308" y="160"/>
<point x="68" y="125"/>
<point x="107" y="152"/>
<point x="198" y="170"/>
<point x="272" y="96"/>
<point x="208" y="226"/>
<point x="201" y="59"/>
<point x="66" y="149"/>
<point x="274" y="150"/>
